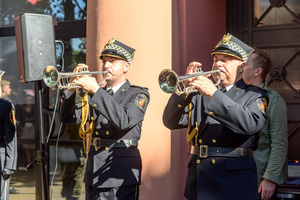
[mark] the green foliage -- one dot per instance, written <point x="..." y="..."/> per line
<point x="61" y="9"/>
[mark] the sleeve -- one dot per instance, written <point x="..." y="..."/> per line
<point x="69" y="112"/>
<point x="278" y="131"/>
<point x="246" y="117"/>
<point x="10" y="137"/>
<point x="123" y="115"/>
<point x="175" y="114"/>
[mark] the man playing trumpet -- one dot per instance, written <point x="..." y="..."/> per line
<point x="222" y="127"/>
<point x="115" y="114"/>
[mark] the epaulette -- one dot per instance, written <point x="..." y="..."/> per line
<point x="255" y="88"/>
<point x="136" y="86"/>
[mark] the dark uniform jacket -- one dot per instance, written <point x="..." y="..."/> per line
<point x="8" y="140"/>
<point x="118" y="116"/>
<point x="229" y="120"/>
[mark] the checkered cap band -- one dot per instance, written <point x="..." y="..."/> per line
<point x="236" y="48"/>
<point x="119" y="50"/>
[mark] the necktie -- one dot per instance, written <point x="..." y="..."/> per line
<point x="223" y="90"/>
<point x="110" y="91"/>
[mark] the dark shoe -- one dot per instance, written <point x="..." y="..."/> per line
<point x="13" y="191"/>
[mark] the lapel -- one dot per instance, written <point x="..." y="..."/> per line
<point x="120" y="94"/>
<point x="237" y="89"/>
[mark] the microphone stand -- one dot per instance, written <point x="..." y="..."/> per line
<point x="41" y="179"/>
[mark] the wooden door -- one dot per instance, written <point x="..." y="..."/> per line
<point x="274" y="25"/>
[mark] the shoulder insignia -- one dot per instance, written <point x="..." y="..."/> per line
<point x="12" y="117"/>
<point x="141" y="101"/>
<point x="262" y="104"/>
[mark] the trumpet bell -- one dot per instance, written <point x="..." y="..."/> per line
<point x="168" y="81"/>
<point x="50" y="76"/>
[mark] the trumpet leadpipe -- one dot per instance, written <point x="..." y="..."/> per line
<point x="170" y="82"/>
<point x="62" y="80"/>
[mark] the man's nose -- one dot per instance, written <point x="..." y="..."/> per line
<point x="106" y="64"/>
<point x="215" y="65"/>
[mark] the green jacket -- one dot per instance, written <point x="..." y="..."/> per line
<point x="271" y="154"/>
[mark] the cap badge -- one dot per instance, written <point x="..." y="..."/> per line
<point x="226" y="38"/>
<point x="111" y="41"/>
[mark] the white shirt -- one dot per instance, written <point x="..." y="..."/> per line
<point x="115" y="88"/>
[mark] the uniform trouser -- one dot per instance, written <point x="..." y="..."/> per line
<point x="222" y="178"/>
<point x="2" y="182"/>
<point x="2" y="193"/>
<point x="117" y="193"/>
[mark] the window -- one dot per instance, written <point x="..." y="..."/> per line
<point x="71" y="32"/>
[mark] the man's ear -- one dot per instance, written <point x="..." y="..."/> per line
<point x="240" y="68"/>
<point x="126" y="67"/>
<point x="258" y="71"/>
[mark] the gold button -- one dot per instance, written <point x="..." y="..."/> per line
<point x="179" y="105"/>
<point x="61" y="100"/>
<point x="198" y="161"/>
<point x="123" y="89"/>
<point x="106" y="148"/>
<point x="214" y="141"/>
<point x="200" y="141"/>
<point x="95" y="105"/>
<point x="213" y="161"/>
<point x="107" y="132"/>
<point x="211" y="113"/>
<point x="96" y="132"/>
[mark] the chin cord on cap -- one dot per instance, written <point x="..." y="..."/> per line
<point x="194" y="132"/>
<point x="86" y="134"/>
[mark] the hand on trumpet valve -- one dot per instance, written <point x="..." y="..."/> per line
<point x="204" y="85"/>
<point x="193" y="68"/>
<point x="88" y="83"/>
<point x="79" y="68"/>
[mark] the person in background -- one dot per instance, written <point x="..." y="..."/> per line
<point x="73" y="167"/>
<point x="271" y="154"/>
<point x="116" y="113"/>
<point x="8" y="144"/>
<point x="7" y="95"/>
<point x="27" y="126"/>
<point x="222" y="126"/>
<point x="6" y="90"/>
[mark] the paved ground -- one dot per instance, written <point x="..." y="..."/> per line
<point x="24" y="181"/>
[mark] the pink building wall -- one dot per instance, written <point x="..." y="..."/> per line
<point x="165" y="34"/>
<point x="197" y="27"/>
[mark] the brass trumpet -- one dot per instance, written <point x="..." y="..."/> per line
<point x="169" y="82"/>
<point x="52" y="77"/>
